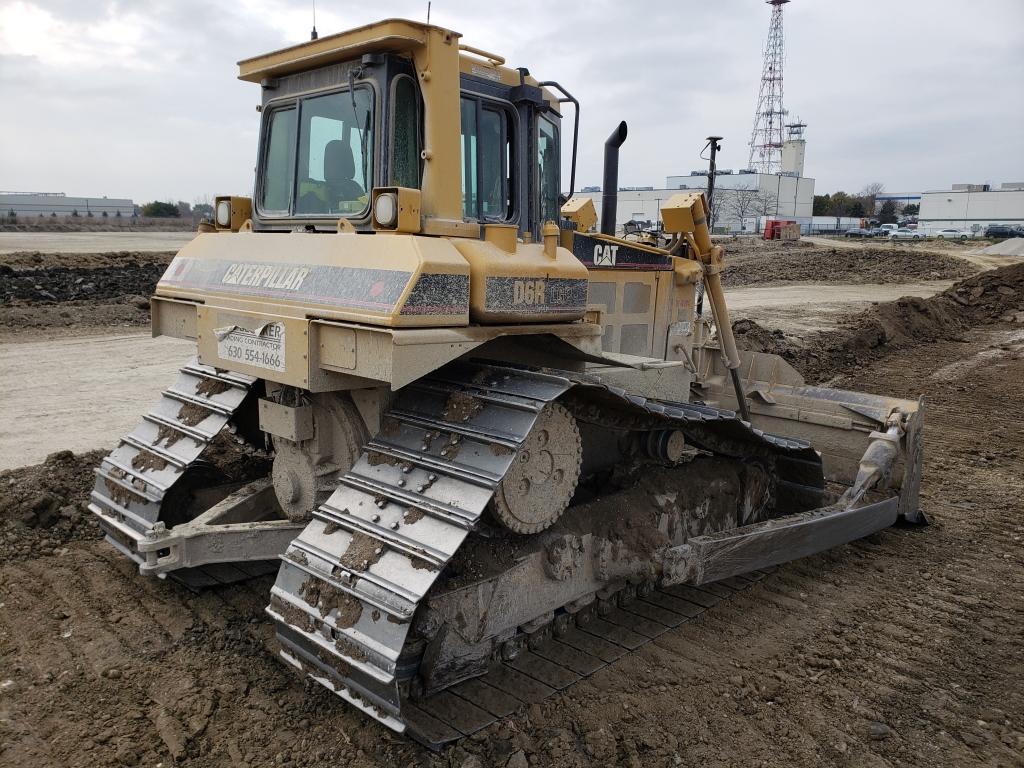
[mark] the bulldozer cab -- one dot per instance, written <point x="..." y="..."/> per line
<point x="361" y="116"/>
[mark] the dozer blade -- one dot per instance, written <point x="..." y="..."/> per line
<point x="351" y="582"/>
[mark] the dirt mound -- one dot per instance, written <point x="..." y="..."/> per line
<point x="20" y="260"/>
<point x="79" y="291"/>
<point x="860" y="266"/>
<point x="994" y="296"/>
<point x="752" y="336"/>
<point x="96" y="224"/>
<point x="742" y="245"/>
<point x="78" y="317"/>
<point x="60" y="284"/>
<point x="44" y="507"/>
<point x="991" y="296"/>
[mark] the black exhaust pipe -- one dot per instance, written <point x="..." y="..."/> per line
<point x="610" y="188"/>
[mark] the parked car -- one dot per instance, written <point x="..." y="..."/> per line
<point x="857" y="232"/>
<point x="953" y="234"/>
<point x="905" y="234"/>
<point x="887" y="228"/>
<point x="1003" y="230"/>
<point x="878" y="232"/>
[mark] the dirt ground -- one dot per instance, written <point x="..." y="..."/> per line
<point x="94" y="240"/>
<point x="902" y="649"/>
<point x="63" y="224"/>
<point x="751" y="262"/>
<point x="47" y="294"/>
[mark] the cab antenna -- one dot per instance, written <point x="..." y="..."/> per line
<point x="313" y="35"/>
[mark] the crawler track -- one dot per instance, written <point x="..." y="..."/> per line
<point x="585" y="643"/>
<point x="134" y="481"/>
<point x="350" y="583"/>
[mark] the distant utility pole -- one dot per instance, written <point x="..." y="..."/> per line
<point x="715" y="148"/>
<point x="766" y="137"/>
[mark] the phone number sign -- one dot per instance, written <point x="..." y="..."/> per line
<point x="262" y="348"/>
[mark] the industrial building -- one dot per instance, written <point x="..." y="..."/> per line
<point x="33" y="204"/>
<point x="775" y="195"/>
<point x="740" y="199"/>
<point x="972" y="207"/>
<point x="900" y="199"/>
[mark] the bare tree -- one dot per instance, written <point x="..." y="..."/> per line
<point x="741" y="203"/>
<point x="766" y="204"/>
<point x="869" y="195"/>
<point x="719" y="211"/>
<point x="202" y="207"/>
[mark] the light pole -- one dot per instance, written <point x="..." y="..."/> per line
<point x="715" y="147"/>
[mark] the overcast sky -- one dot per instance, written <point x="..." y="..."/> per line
<point x="140" y="99"/>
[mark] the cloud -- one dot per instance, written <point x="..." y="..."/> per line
<point x="140" y="98"/>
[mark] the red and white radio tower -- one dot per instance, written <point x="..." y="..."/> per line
<point x="766" y="138"/>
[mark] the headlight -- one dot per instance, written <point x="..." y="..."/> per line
<point x="224" y="213"/>
<point x="385" y="210"/>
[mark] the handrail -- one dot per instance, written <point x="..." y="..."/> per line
<point x="568" y="97"/>
<point x="492" y="57"/>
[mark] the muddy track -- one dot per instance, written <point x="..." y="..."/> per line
<point x="903" y="649"/>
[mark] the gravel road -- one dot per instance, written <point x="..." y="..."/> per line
<point x="92" y="242"/>
<point x="79" y="393"/>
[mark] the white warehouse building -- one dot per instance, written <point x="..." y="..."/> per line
<point x="741" y="200"/>
<point x="971" y="207"/>
<point x="772" y="195"/>
<point x="32" y="204"/>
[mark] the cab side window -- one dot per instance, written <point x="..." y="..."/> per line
<point x="488" y="188"/>
<point x="405" y="141"/>
<point x="469" y="197"/>
<point x="279" y="162"/>
<point x="547" y="169"/>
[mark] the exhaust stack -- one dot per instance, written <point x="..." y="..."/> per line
<point x="610" y="188"/>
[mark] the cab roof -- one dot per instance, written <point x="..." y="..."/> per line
<point x="387" y="36"/>
<point x="390" y="35"/>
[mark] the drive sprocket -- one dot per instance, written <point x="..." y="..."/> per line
<point x="542" y="479"/>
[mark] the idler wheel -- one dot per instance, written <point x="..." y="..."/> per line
<point x="300" y="483"/>
<point x="305" y="473"/>
<point x="542" y="479"/>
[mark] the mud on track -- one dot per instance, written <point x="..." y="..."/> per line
<point x="903" y="649"/>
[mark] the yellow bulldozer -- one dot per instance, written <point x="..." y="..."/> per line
<point x="507" y="448"/>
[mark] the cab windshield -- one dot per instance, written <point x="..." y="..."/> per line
<point x="318" y="156"/>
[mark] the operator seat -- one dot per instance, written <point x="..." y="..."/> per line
<point x="339" y="169"/>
